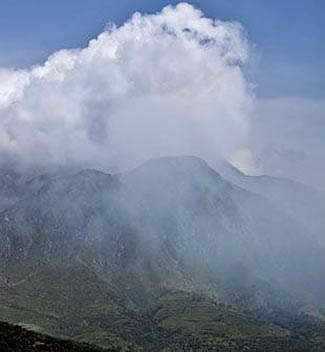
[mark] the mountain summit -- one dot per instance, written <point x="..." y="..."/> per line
<point x="90" y="252"/>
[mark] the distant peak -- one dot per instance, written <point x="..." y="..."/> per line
<point x="176" y="162"/>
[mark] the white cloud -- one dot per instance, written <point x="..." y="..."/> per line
<point x="12" y="84"/>
<point x="169" y="83"/>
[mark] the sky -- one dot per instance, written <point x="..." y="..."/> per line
<point x="286" y="66"/>
<point x="288" y="35"/>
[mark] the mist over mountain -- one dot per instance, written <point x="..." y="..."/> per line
<point x="135" y="212"/>
<point x="171" y="226"/>
<point x="303" y="203"/>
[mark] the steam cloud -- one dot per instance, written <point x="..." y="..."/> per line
<point x="163" y="84"/>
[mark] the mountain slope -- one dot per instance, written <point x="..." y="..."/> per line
<point x="305" y="204"/>
<point x="178" y="209"/>
<point x="112" y="258"/>
<point x="15" y="338"/>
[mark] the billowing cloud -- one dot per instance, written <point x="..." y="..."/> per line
<point x="162" y="84"/>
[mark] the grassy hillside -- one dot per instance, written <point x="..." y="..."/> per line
<point x="80" y="305"/>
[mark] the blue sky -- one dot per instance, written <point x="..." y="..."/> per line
<point x="288" y="35"/>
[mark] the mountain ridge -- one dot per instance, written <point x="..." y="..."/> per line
<point x="95" y="257"/>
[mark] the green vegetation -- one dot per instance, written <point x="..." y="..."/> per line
<point x="160" y="261"/>
<point x="78" y="304"/>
